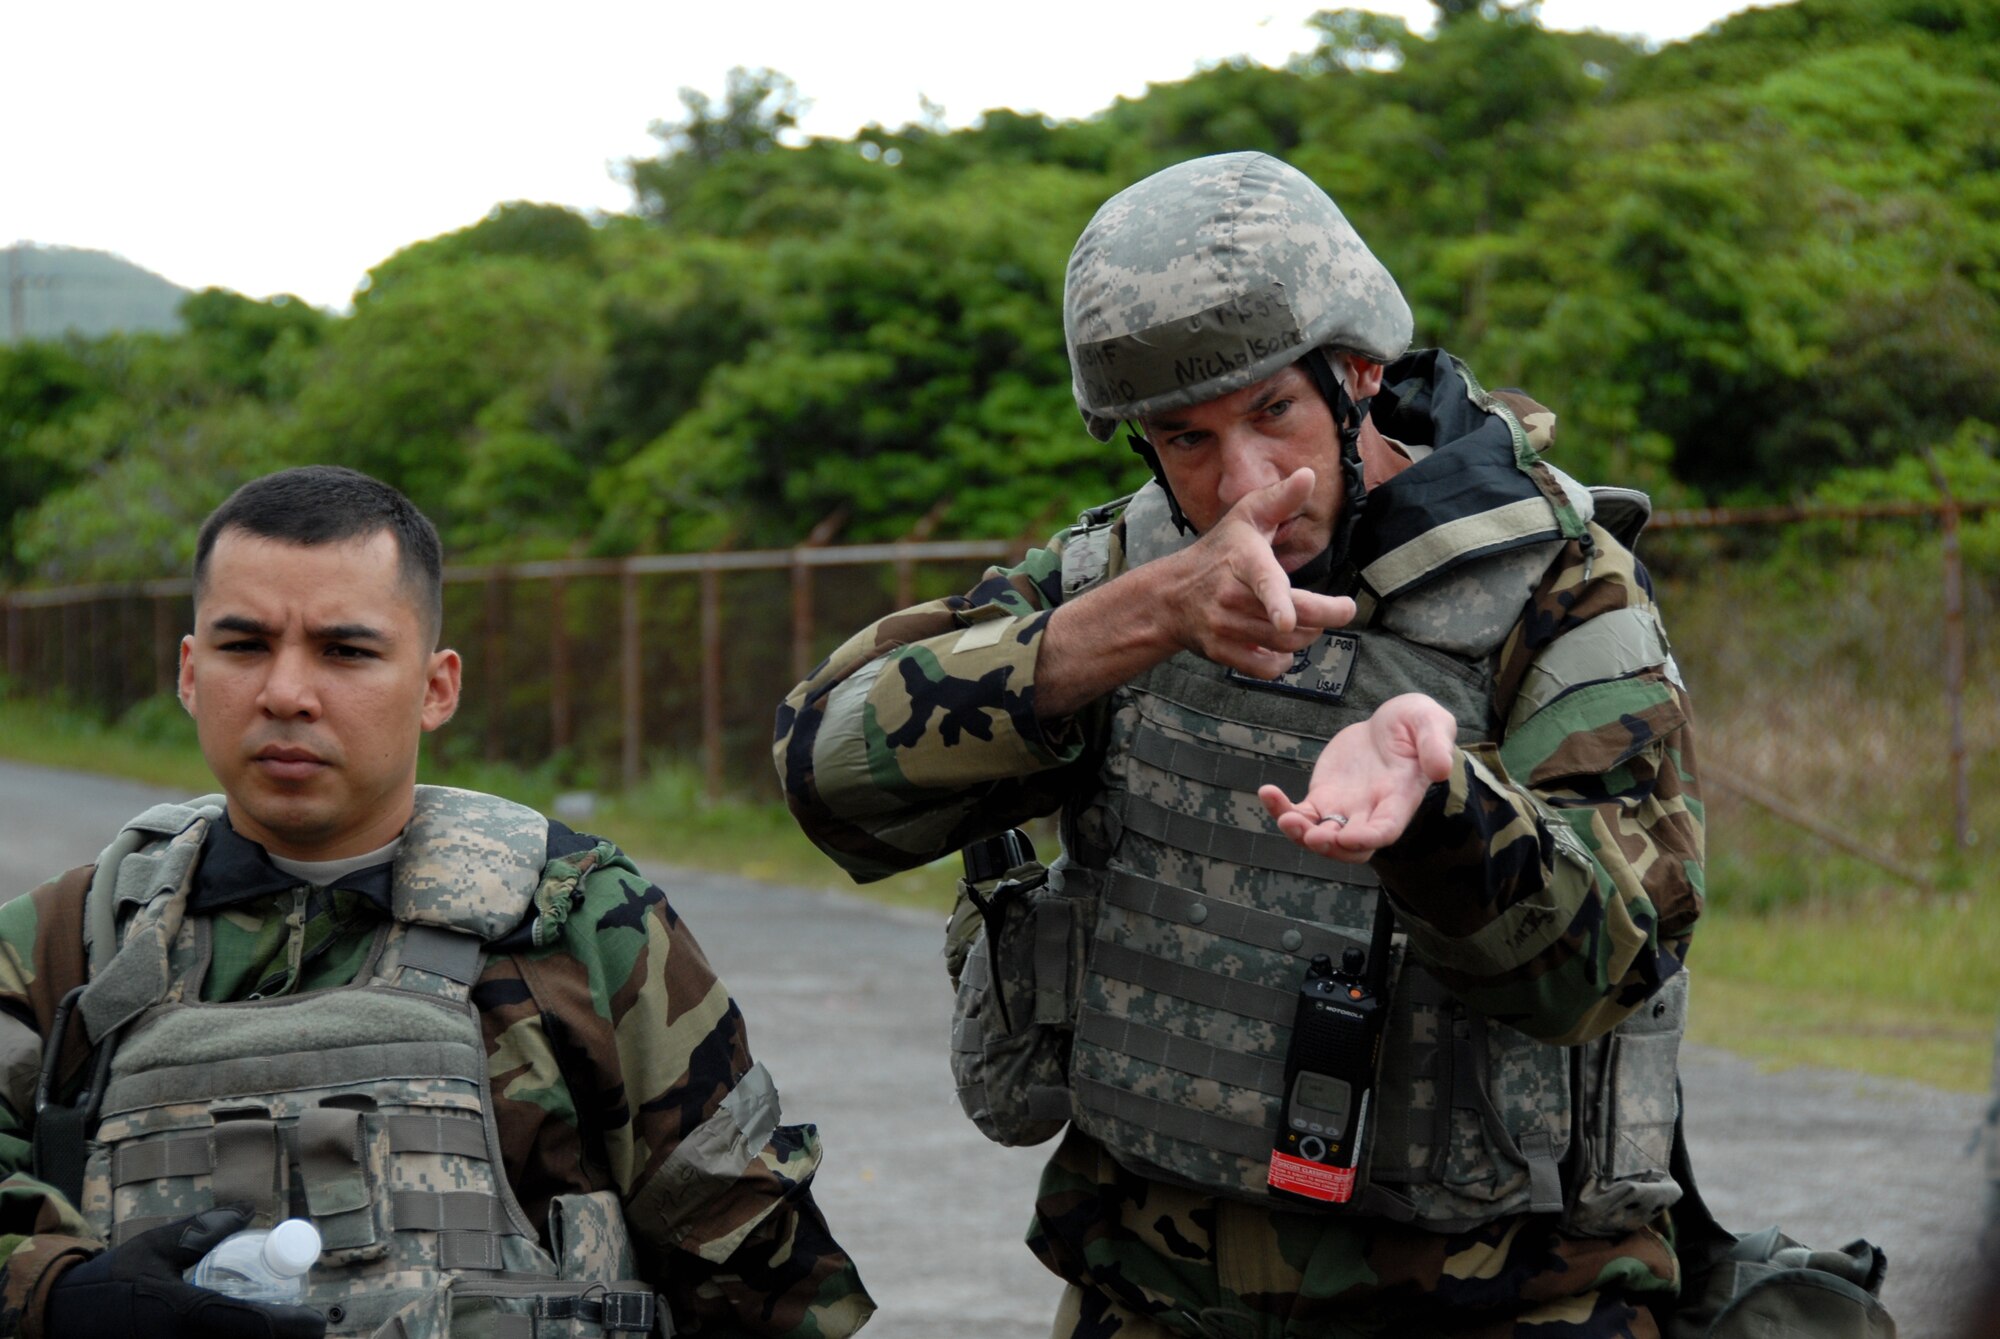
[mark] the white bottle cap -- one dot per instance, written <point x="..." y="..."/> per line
<point x="291" y="1248"/>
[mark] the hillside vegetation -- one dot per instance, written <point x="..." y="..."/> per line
<point x="1746" y="266"/>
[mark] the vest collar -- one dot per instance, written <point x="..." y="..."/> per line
<point x="235" y="870"/>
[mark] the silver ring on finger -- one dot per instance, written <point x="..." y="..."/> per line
<point x="1339" y="820"/>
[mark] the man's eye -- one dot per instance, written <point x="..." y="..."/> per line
<point x="1277" y="407"/>
<point x="241" y="646"/>
<point x="337" y="651"/>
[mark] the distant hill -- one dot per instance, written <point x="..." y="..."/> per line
<point x="48" y="291"/>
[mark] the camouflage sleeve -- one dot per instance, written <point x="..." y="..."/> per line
<point x="919" y="734"/>
<point x="619" y="1061"/>
<point x="1554" y="879"/>
<point x="41" y="1233"/>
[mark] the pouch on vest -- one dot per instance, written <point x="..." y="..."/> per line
<point x="497" y="1307"/>
<point x="1765" y="1285"/>
<point x="1012" y="948"/>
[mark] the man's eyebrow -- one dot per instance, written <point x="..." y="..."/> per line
<point x="329" y="632"/>
<point x="348" y="632"/>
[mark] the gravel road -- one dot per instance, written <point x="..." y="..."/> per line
<point x="848" y="1006"/>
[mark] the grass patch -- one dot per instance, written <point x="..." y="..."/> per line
<point x="145" y="745"/>
<point x="669" y="818"/>
<point x="1895" y="985"/>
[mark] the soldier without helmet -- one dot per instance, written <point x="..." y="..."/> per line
<point x="478" y="1050"/>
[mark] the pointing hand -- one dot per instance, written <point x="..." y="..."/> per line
<point x="1238" y="607"/>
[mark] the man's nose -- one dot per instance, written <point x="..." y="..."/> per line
<point x="1246" y="467"/>
<point x="289" y="689"/>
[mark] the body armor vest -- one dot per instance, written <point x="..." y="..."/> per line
<point x="1206" y="919"/>
<point x="363" y="1107"/>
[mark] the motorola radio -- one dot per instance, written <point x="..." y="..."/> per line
<point x="1324" y="1125"/>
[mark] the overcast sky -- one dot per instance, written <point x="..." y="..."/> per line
<point x="280" y="147"/>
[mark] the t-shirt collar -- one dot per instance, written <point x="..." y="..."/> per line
<point x="235" y="870"/>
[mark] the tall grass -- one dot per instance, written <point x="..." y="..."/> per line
<point x="1819" y="677"/>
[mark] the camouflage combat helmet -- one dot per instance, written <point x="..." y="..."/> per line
<point x="1210" y="276"/>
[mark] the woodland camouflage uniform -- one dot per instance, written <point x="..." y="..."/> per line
<point x="608" y="1040"/>
<point x="1577" y="834"/>
<point x="941" y="747"/>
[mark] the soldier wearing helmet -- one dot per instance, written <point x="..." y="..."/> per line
<point x="1358" y="678"/>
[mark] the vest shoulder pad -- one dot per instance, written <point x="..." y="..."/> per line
<point x="119" y="878"/>
<point x="1623" y="512"/>
<point x="1086" y="554"/>
<point x="1150" y="531"/>
<point x="1470" y="610"/>
<point x="469" y="862"/>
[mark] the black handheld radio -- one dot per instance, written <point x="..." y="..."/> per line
<point x="1323" y="1127"/>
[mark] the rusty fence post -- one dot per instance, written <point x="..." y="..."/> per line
<point x="71" y="636"/>
<point x="802" y="590"/>
<point x="15" y="646"/>
<point x="559" y="713"/>
<point x="630" y="679"/>
<point x="711" y="681"/>
<point x="493" y="674"/>
<point x="906" y="565"/>
<point x="1954" y="657"/>
<point x="166" y="646"/>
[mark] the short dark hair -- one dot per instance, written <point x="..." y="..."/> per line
<point x="326" y="504"/>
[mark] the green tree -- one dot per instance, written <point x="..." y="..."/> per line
<point x="414" y="383"/>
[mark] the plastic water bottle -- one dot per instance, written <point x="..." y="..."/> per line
<point x="259" y="1265"/>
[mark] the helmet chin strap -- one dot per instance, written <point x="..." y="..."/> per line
<point x="1347" y="416"/>
<point x="1144" y="450"/>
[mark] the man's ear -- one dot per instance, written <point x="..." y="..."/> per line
<point x="441" y="688"/>
<point x="185" y="686"/>
<point x="1362" y="375"/>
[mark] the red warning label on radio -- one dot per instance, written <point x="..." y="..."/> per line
<point x="1314" y="1180"/>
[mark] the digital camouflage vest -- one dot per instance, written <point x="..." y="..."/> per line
<point x="364" y="1108"/>
<point x="1206" y="918"/>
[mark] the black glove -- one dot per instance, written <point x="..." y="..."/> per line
<point x="136" y="1290"/>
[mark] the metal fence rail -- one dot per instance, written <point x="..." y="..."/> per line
<point x="535" y="637"/>
<point x="607" y="664"/>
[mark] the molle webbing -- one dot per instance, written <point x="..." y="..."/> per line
<point x="299" y="1069"/>
<point x="1222" y="843"/>
<point x="1228" y="920"/>
<point x="1182" y="1053"/>
<point x="463" y="1137"/>
<point x="1246" y="999"/>
<point x="1229" y="771"/>
<point x="194" y="1154"/>
<point x="1203" y="1129"/>
<point x="1053" y="921"/>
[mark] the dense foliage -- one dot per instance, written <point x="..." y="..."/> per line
<point x="1760" y="263"/>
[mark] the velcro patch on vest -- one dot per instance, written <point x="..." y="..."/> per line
<point x="1320" y="671"/>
